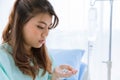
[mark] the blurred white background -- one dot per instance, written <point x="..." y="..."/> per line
<point x="74" y="31"/>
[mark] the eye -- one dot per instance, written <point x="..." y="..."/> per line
<point x="49" y="28"/>
<point x="40" y="27"/>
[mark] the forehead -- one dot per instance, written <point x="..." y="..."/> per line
<point x="44" y="17"/>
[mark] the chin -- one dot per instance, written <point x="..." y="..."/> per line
<point x="38" y="46"/>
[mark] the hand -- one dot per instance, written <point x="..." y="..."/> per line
<point x="63" y="71"/>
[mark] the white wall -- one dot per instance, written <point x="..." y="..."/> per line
<point x="71" y="30"/>
<point x="5" y="8"/>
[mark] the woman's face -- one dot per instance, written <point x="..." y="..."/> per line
<point x="36" y="30"/>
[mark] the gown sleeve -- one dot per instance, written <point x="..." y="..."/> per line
<point x="53" y="67"/>
<point x="3" y="74"/>
<point x="5" y="69"/>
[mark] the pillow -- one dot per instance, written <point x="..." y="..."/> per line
<point x="83" y="71"/>
<point x="68" y="56"/>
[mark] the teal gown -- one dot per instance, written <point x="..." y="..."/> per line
<point x="8" y="69"/>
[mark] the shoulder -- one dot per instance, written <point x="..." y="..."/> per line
<point x="3" y="51"/>
<point x="4" y="59"/>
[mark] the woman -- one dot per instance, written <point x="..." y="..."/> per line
<point x="23" y="54"/>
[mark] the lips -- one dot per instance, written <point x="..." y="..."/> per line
<point x="42" y="41"/>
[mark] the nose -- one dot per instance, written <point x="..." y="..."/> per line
<point x="45" y="33"/>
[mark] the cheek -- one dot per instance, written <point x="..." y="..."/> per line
<point x="32" y="31"/>
<point x="29" y="33"/>
<point x="30" y="36"/>
<point x="35" y="32"/>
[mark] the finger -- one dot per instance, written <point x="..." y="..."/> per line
<point x="69" y="68"/>
<point x="74" y="71"/>
<point x="66" y="74"/>
<point x="66" y="67"/>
